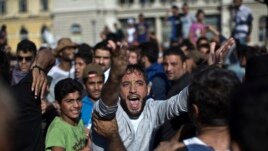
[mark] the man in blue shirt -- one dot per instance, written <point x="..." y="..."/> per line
<point x="176" y="25"/>
<point x="93" y="78"/>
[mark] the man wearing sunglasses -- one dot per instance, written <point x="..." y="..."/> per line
<point x="26" y="51"/>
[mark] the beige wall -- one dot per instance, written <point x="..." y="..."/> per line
<point x="33" y="20"/>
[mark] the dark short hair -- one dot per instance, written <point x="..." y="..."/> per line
<point x="102" y="45"/>
<point x="201" y="39"/>
<point x="27" y="46"/>
<point x="85" y="53"/>
<point x="66" y="86"/>
<point x="136" y="67"/>
<point x="150" y="50"/>
<point x="175" y="51"/>
<point x="188" y="44"/>
<point x="249" y="117"/>
<point x="174" y="7"/>
<point x="199" y="11"/>
<point x="184" y="4"/>
<point x="210" y="91"/>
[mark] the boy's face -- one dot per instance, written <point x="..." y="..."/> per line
<point x="70" y="107"/>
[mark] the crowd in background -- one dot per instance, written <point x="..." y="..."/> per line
<point x="200" y="93"/>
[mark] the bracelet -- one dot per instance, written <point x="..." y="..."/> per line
<point x="38" y="67"/>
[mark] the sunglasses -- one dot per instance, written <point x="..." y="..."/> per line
<point x="27" y="59"/>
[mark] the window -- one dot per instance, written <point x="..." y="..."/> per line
<point x="23" y="5"/>
<point x="262" y="28"/>
<point x="44" y="5"/>
<point x="76" y="33"/>
<point x="75" y="29"/>
<point x="125" y="2"/>
<point x="2" y="7"/>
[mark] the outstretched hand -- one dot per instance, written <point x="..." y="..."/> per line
<point x="218" y="56"/>
<point x="119" y="57"/>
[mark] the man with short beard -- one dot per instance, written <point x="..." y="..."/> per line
<point x="138" y="117"/>
<point x="65" y="69"/>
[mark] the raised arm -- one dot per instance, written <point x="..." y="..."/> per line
<point x="110" y="91"/>
<point x="41" y="65"/>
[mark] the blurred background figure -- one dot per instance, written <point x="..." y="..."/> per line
<point x="199" y="28"/>
<point x="176" y="26"/>
<point x="142" y="30"/>
<point x="131" y="32"/>
<point x="242" y="18"/>
<point x="187" y="19"/>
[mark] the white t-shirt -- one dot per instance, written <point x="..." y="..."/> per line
<point x="130" y="33"/>
<point x="106" y="75"/>
<point x="136" y="122"/>
<point x="194" y="140"/>
<point x="58" y="74"/>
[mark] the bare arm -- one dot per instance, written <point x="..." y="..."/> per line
<point x="118" y="67"/>
<point x="40" y="67"/>
<point x="57" y="149"/>
<point x="109" y="130"/>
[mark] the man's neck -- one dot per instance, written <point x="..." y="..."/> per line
<point x="66" y="66"/>
<point x="217" y="137"/>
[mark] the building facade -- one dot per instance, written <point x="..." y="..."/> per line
<point x="84" y="20"/>
<point x="25" y="19"/>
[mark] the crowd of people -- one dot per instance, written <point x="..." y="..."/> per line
<point x="129" y="93"/>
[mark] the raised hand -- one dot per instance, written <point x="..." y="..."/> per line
<point x="119" y="58"/>
<point x="218" y="56"/>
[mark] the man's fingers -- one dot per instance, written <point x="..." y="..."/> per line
<point x="34" y="72"/>
<point x="212" y="47"/>
<point x="111" y="45"/>
<point x="44" y="89"/>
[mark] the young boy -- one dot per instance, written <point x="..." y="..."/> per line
<point x="66" y="133"/>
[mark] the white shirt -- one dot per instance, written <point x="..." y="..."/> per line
<point x="106" y="74"/>
<point x="136" y="122"/>
<point x="58" y="74"/>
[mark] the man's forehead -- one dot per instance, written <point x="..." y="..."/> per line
<point x="102" y="52"/>
<point x="25" y="53"/>
<point x="133" y="75"/>
<point x="172" y="57"/>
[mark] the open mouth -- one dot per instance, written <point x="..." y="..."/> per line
<point x="134" y="101"/>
